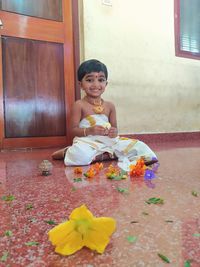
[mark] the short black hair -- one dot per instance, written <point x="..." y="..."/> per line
<point x="92" y="65"/>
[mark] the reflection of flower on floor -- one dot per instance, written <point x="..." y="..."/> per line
<point x="82" y="229"/>
<point x="78" y="170"/>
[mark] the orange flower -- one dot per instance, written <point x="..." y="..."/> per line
<point x="98" y="167"/>
<point x="138" y="169"/>
<point x="78" y="170"/>
<point x="112" y="171"/>
<point x="93" y="170"/>
<point x="90" y="173"/>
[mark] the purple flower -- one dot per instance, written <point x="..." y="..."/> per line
<point x="155" y="166"/>
<point x="149" y="174"/>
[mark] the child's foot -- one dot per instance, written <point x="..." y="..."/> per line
<point x="149" y="160"/>
<point x="59" y="154"/>
<point x="105" y="156"/>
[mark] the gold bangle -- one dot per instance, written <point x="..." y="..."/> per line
<point x="84" y="131"/>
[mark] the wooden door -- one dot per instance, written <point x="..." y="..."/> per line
<point x="37" y="85"/>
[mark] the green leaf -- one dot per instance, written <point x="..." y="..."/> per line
<point x="77" y="180"/>
<point x="51" y="222"/>
<point x="131" y="239"/>
<point x="32" y="243"/>
<point x="73" y="188"/>
<point x="8" y="198"/>
<point x="111" y="176"/>
<point x="8" y="233"/>
<point x="122" y="190"/>
<point x="122" y="175"/>
<point x="164" y="258"/>
<point x="155" y="200"/>
<point x="194" y="193"/>
<point x="187" y="263"/>
<point x="196" y="234"/>
<point x="145" y="213"/>
<point x="122" y="172"/>
<point x="4" y="256"/>
<point x="29" y="206"/>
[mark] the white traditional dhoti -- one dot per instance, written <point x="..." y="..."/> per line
<point x="85" y="149"/>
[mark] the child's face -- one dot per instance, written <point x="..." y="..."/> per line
<point x="94" y="84"/>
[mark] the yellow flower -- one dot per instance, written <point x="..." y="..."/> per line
<point x="107" y="125"/>
<point x="82" y="229"/>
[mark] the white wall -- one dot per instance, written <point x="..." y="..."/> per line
<point x="153" y="90"/>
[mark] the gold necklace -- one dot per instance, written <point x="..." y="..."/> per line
<point x="98" y="105"/>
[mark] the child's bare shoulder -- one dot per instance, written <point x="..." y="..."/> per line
<point x="109" y="104"/>
<point x="78" y="103"/>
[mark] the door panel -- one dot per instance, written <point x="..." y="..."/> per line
<point x="33" y="88"/>
<point x="32" y="28"/>
<point x="47" y="9"/>
<point x="37" y="86"/>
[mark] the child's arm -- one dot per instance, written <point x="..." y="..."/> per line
<point x="112" y="115"/>
<point x="113" y="132"/>
<point x="76" y="118"/>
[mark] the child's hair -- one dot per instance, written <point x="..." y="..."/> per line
<point x="89" y="66"/>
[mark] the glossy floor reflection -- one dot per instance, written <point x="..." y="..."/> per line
<point x="172" y="229"/>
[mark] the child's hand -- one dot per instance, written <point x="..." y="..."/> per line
<point x="98" y="130"/>
<point x="112" y="133"/>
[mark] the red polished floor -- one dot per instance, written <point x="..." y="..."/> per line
<point x="171" y="229"/>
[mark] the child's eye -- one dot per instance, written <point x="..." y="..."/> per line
<point x="102" y="80"/>
<point x="89" y="80"/>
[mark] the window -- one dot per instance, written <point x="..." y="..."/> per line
<point x="187" y="28"/>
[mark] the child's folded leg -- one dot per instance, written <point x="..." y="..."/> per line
<point x="79" y="154"/>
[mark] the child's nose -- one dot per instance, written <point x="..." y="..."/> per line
<point x="96" y="83"/>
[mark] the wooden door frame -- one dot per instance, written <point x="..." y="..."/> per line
<point x="1" y="100"/>
<point x="68" y="35"/>
<point x="76" y="39"/>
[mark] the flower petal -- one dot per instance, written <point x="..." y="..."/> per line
<point x="81" y="213"/>
<point x="96" y="241"/>
<point x="97" y="237"/>
<point x="105" y="225"/>
<point x="72" y="243"/>
<point x="60" y="232"/>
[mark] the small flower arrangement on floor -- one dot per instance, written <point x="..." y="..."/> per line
<point x="115" y="173"/>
